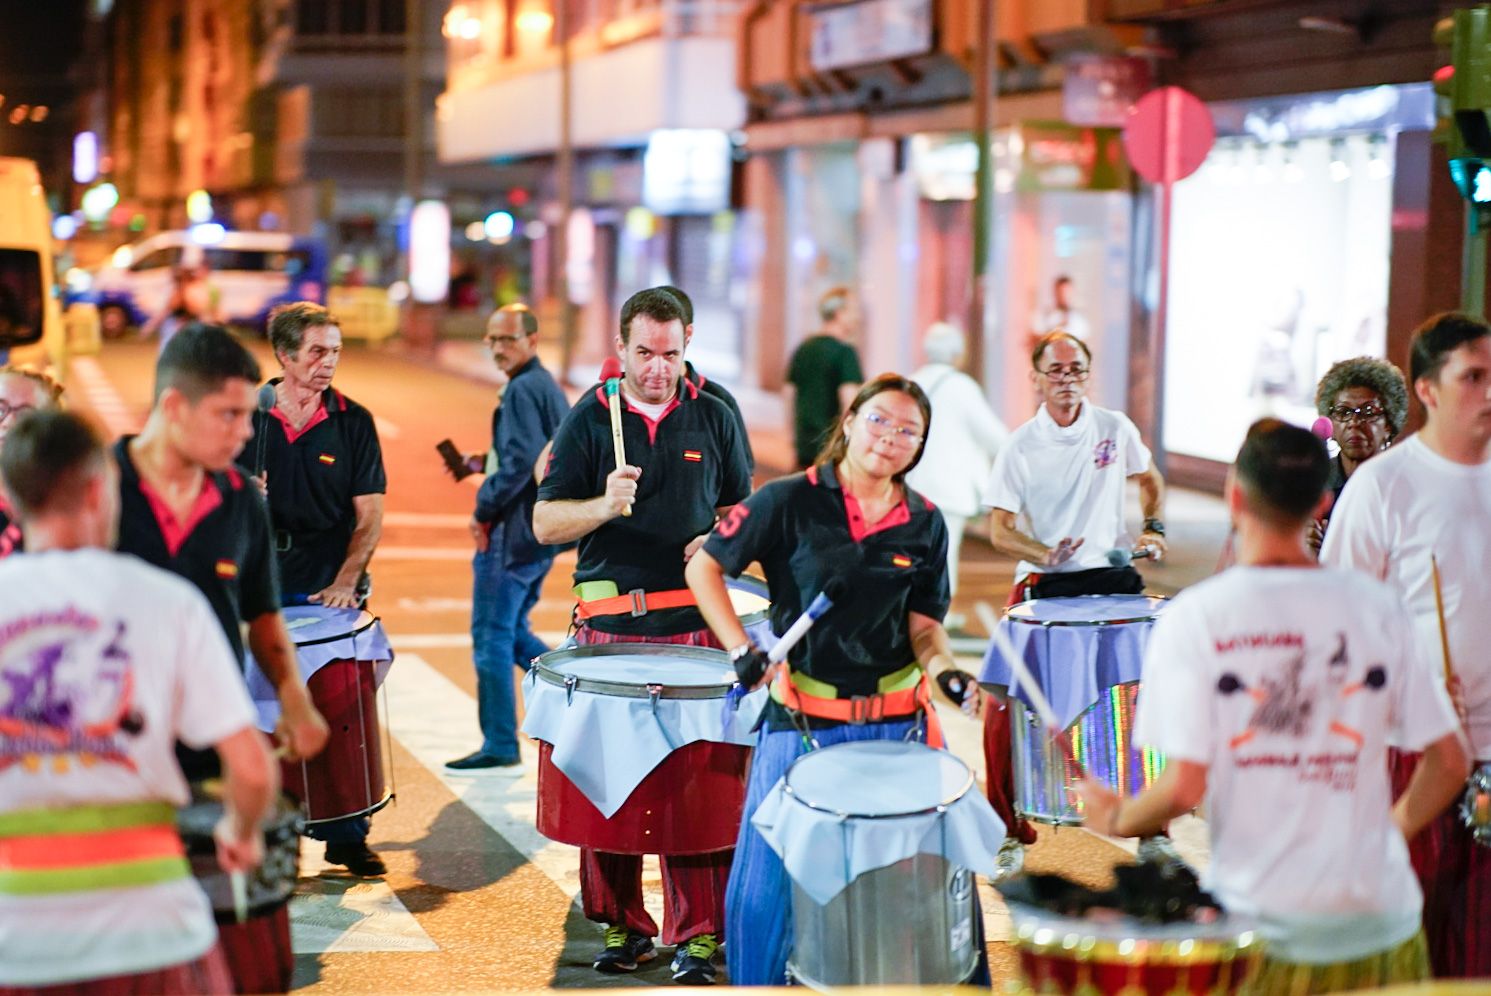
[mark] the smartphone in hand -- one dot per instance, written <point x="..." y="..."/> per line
<point x="455" y="461"/>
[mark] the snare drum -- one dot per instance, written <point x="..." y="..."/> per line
<point x="344" y="654"/>
<point x="1475" y="808"/>
<point x="629" y="762"/>
<point x="752" y="604"/>
<point x="258" y="950"/>
<point x="1087" y="653"/>
<point x="911" y="921"/>
<point x="1083" y="957"/>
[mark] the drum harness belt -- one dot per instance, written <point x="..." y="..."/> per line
<point x="599" y="598"/>
<point x="86" y="848"/>
<point x="907" y="692"/>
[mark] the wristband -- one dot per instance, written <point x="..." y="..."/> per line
<point x="1153" y="525"/>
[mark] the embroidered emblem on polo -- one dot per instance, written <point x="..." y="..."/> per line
<point x="900" y="560"/>
<point x="1104" y="453"/>
<point x="226" y="569"/>
<point x="327" y="459"/>
<point x="693" y="456"/>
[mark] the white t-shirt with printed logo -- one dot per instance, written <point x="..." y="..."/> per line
<point x="1398" y="509"/>
<point x="88" y="637"/>
<point x="1287" y="683"/>
<point x="1069" y="482"/>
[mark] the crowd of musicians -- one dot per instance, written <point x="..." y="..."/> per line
<point x="1322" y="700"/>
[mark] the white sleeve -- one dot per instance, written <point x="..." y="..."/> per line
<point x="1136" y="456"/>
<point x="1421" y="711"/>
<point x="1357" y="536"/>
<point x="1177" y="704"/>
<point x="1007" y="484"/>
<point x="212" y="700"/>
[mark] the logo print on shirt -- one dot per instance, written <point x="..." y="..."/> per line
<point x="65" y="696"/>
<point x="327" y="459"/>
<point x="1104" y="453"/>
<point x="900" y="560"/>
<point x="693" y="456"/>
<point x="226" y="569"/>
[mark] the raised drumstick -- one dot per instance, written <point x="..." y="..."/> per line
<point x="611" y="374"/>
<point x="1024" y="679"/>
<point x="1444" y="633"/>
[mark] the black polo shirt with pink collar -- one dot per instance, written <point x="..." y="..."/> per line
<point x="805" y="530"/>
<point x="693" y="461"/>
<point x="222" y="546"/>
<point x="314" y="473"/>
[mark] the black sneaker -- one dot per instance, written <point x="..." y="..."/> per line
<point x="359" y="859"/>
<point x="624" y="951"/>
<point x="478" y="761"/>
<point x="693" y="962"/>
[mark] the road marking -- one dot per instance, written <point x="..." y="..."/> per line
<point x="434" y="604"/>
<point x="426" y="520"/>
<point x="337" y="915"/>
<point x="99" y="394"/>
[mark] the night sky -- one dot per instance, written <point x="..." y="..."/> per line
<point x="40" y="45"/>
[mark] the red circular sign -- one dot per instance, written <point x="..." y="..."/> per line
<point x="1168" y="134"/>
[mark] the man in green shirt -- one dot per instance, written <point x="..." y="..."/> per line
<point x="825" y="373"/>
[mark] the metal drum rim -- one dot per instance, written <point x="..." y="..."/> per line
<point x="1069" y="937"/>
<point x="1053" y="623"/>
<point x="357" y="630"/>
<point x="760" y="615"/>
<point x="967" y="785"/>
<point x="543" y="670"/>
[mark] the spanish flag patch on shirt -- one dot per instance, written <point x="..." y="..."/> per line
<point x="327" y="459"/>
<point x="227" y="570"/>
<point x="900" y="560"/>
<point x="693" y="456"/>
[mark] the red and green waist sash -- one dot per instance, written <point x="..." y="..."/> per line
<point x="83" y="848"/>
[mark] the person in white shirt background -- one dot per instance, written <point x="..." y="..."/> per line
<point x="1273" y="690"/>
<point x="103" y="677"/>
<point x="1056" y="498"/>
<point x="1427" y="501"/>
<point x="962" y="441"/>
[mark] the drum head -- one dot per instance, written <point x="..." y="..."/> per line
<point x="1087" y="610"/>
<point x="642" y="665"/>
<point x="749" y="597"/>
<point x="875" y="779"/>
<point x="311" y="624"/>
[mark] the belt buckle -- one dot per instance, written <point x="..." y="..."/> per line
<point x="282" y="541"/>
<point x="639" y="602"/>
<point x="859" y="709"/>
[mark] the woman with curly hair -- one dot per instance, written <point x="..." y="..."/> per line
<point x="1366" y="400"/>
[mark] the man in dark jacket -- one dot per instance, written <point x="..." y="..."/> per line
<point x="510" y="565"/>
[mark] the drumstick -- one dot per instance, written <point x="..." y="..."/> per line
<point x="1444" y="634"/>
<point x="613" y="400"/>
<point x="238" y="883"/>
<point x="1024" y="679"/>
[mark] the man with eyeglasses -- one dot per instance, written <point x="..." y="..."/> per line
<point x="509" y="568"/>
<point x="1366" y="401"/>
<point x="22" y="390"/>
<point x="1419" y="510"/>
<point x="1056" y="501"/>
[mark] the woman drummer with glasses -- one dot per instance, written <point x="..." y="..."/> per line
<point x="851" y="525"/>
<point x="1366" y="401"/>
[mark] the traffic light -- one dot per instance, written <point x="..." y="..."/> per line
<point x="1473" y="178"/>
<point x="1470" y="86"/>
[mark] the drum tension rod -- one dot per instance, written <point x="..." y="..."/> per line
<point x="654" y="692"/>
<point x="570" y="681"/>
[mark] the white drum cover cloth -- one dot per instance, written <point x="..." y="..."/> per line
<point x="856" y="807"/>
<point x="321" y="635"/>
<point x="606" y="744"/>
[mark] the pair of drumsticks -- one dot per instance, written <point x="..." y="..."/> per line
<point x="611" y="376"/>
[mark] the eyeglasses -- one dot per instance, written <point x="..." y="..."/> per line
<point x="1345" y="415"/>
<point x="881" y="426"/>
<point x="1075" y="373"/>
<point x="505" y="340"/>
<point x="7" y="410"/>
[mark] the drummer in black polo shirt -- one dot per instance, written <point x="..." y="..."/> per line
<point x="323" y="473"/>
<point x="685" y="465"/>
<point x="186" y="507"/>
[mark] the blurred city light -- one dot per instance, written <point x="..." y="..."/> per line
<point x="199" y="206"/>
<point x="429" y="251"/>
<point x="85" y="157"/>
<point x="99" y="201"/>
<point x="499" y="226"/>
<point x="208" y="233"/>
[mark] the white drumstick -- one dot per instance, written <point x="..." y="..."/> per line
<point x="1023" y="678"/>
<point x="238" y="883"/>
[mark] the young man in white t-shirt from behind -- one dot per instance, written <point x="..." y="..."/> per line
<point x="1430" y="497"/>
<point x="105" y="662"/>
<point x="1273" y="690"/>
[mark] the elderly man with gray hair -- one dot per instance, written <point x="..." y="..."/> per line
<point x="962" y="441"/>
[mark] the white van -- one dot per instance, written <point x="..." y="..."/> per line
<point x="31" y="329"/>
<point x="249" y="273"/>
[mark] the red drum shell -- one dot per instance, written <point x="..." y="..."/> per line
<point x="689" y="804"/>
<point x="1056" y="973"/>
<point x="346" y="779"/>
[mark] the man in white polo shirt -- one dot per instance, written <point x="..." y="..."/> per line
<point x="1056" y="501"/>
<point x="104" y="662"/>
<point x="1430" y="497"/>
<point x="1273" y="690"/>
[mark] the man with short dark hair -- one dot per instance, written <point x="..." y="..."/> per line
<point x="1421" y="506"/>
<point x="108" y="661"/>
<point x="824" y="373"/>
<point x="1056" y="501"/>
<point x="685" y="465"/>
<point x="1273" y="691"/>
<point x="510" y="565"/>
<point x="324" y="479"/>
<point x="187" y="508"/>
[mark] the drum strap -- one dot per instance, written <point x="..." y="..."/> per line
<point x="84" y="848"/>
<point x="861" y="709"/>
<point x="634" y="603"/>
